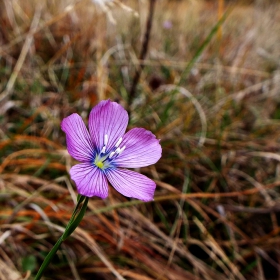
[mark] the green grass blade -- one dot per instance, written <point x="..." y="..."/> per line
<point x="206" y="42"/>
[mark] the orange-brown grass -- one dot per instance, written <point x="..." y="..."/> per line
<point x="215" y="212"/>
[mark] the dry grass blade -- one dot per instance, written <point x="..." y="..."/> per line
<point x="85" y="237"/>
<point x="232" y="271"/>
<point x="215" y="213"/>
<point x="24" y="51"/>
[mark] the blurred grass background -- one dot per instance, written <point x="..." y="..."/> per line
<point x="210" y="92"/>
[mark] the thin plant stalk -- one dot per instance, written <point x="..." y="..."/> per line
<point x="71" y="226"/>
<point x="221" y="7"/>
<point x="143" y="54"/>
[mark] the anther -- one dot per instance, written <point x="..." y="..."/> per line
<point x="121" y="150"/>
<point x="118" y="143"/>
<point x="105" y="139"/>
<point x="103" y="150"/>
<point x="111" y="155"/>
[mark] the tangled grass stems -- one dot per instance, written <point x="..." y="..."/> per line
<point x="216" y="211"/>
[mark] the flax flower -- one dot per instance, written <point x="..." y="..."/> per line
<point x="105" y="150"/>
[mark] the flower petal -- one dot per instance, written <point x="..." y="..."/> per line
<point x="79" y="144"/>
<point x="131" y="184"/>
<point x="141" y="149"/>
<point x="107" y="118"/>
<point x="90" y="180"/>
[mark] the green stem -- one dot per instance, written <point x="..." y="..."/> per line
<point x="74" y="221"/>
<point x="48" y="259"/>
<point x="73" y="224"/>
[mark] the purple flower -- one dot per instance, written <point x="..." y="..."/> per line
<point x="106" y="149"/>
<point x="167" y="24"/>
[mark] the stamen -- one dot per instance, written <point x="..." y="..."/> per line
<point x="111" y="155"/>
<point x="105" y="139"/>
<point x="118" y="143"/>
<point x="121" y="150"/>
<point x="103" y="150"/>
<point x="117" y="150"/>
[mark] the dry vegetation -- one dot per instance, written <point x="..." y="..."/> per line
<point x="216" y="208"/>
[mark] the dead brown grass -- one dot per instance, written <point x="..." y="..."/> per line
<point x="216" y="208"/>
